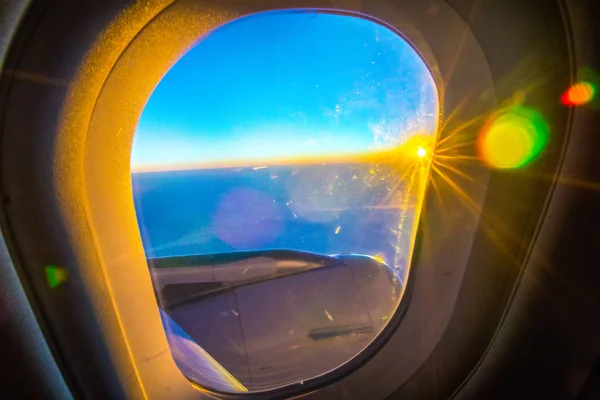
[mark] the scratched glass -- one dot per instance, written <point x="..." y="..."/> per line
<point x="279" y="170"/>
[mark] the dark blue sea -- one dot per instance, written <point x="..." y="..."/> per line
<point x="325" y="209"/>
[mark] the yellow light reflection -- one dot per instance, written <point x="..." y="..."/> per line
<point x="379" y="259"/>
<point x="513" y="138"/>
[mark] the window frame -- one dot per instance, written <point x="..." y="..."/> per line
<point x="91" y="169"/>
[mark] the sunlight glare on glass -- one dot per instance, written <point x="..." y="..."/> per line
<point x="513" y="138"/>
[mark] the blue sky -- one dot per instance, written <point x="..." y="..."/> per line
<point x="286" y="85"/>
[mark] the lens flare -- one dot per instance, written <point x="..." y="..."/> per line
<point x="513" y="138"/>
<point x="421" y="152"/>
<point x="579" y="94"/>
<point x="247" y="218"/>
<point x="55" y="276"/>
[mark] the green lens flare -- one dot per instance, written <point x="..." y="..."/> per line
<point x="513" y="138"/>
<point x="55" y="275"/>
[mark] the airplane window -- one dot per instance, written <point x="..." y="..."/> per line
<point x="278" y="170"/>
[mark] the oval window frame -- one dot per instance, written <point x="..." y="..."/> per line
<point x="86" y="193"/>
<point x="401" y="306"/>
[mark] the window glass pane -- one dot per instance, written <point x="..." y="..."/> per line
<point x="278" y="172"/>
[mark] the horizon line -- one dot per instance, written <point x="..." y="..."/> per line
<point x="407" y="150"/>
